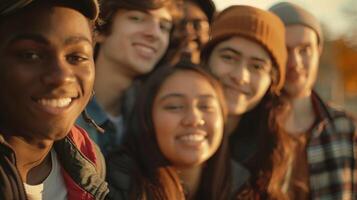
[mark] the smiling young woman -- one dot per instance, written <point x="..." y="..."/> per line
<point x="176" y="147"/>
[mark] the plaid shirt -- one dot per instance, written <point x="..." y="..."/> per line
<point x="332" y="154"/>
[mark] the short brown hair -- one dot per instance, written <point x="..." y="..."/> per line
<point x="108" y="9"/>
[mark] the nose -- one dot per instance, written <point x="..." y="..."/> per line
<point x="293" y="59"/>
<point x="193" y="118"/>
<point x="190" y="31"/>
<point x="152" y="30"/>
<point x="240" y="74"/>
<point x="59" y="72"/>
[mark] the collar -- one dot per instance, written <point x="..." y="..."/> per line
<point x="96" y="112"/>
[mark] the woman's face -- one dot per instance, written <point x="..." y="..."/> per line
<point x="244" y="69"/>
<point x="188" y="119"/>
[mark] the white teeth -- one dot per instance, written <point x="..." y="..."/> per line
<point x="145" y="49"/>
<point x="193" y="138"/>
<point x="57" y="103"/>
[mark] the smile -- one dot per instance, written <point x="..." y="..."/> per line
<point x="55" y="103"/>
<point x="236" y="90"/>
<point x="193" y="138"/>
<point x="144" y="50"/>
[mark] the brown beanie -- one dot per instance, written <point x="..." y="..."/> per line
<point x="258" y="25"/>
<point x="88" y="8"/>
<point x="292" y="14"/>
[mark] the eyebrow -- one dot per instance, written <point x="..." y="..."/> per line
<point x="42" y="40"/>
<point x="230" y="49"/>
<point x="29" y="36"/>
<point x="77" y="39"/>
<point x="305" y="44"/>
<point x="178" y="95"/>
<point x="240" y="54"/>
<point x="149" y="13"/>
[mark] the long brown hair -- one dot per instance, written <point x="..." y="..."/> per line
<point x="154" y="174"/>
<point x="258" y="142"/>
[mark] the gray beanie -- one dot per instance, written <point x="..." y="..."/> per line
<point x="292" y="14"/>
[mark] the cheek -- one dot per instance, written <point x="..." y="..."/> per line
<point x="166" y="40"/>
<point x="164" y="128"/>
<point x="261" y="84"/>
<point x="86" y="78"/>
<point x="216" y="126"/>
<point x="218" y="67"/>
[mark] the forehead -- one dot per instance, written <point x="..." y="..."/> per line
<point x="243" y="46"/>
<point x="160" y="13"/>
<point x="187" y="83"/>
<point x="297" y="35"/>
<point x="46" y="20"/>
<point x="193" y="11"/>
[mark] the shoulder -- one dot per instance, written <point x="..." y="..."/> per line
<point x="240" y="175"/>
<point x="88" y="148"/>
<point x="120" y="167"/>
<point x="342" y="120"/>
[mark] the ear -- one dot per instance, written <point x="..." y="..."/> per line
<point x="320" y="48"/>
<point x="100" y="37"/>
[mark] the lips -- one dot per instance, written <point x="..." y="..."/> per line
<point x="54" y="105"/>
<point x="193" y="139"/>
<point x="144" y="50"/>
<point x="294" y="75"/>
<point x="236" y="90"/>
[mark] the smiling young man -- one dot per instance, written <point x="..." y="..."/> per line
<point x="47" y="75"/>
<point x="325" y="151"/>
<point x="194" y="27"/>
<point x="133" y="39"/>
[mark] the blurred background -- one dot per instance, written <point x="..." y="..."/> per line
<point x="337" y="80"/>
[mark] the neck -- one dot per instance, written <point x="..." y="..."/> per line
<point x="232" y="123"/>
<point x="191" y="179"/>
<point x="300" y="115"/>
<point x="32" y="157"/>
<point x="110" y="84"/>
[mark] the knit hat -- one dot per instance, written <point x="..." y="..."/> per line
<point x="88" y="8"/>
<point x="258" y="25"/>
<point x="292" y="14"/>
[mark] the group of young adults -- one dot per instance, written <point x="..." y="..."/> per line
<point x="166" y="100"/>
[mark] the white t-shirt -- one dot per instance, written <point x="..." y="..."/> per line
<point x="52" y="188"/>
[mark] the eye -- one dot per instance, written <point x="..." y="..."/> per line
<point x="306" y="50"/>
<point x="136" y="16"/>
<point x="200" y="24"/>
<point x="30" y="56"/>
<point x="257" y="66"/>
<point x="174" y="107"/>
<point x="77" y="58"/>
<point x="166" y="26"/>
<point x="206" y="107"/>
<point x="228" y="58"/>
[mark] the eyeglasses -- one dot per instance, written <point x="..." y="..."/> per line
<point x="197" y="24"/>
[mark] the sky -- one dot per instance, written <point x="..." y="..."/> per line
<point x="330" y="12"/>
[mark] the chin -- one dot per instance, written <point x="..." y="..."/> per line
<point x="55" y="133"/>
<point x="237" y="110"/>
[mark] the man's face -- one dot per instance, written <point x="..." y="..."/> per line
<point x="47" y="71"/>
<point x="137" y="41"/>
<point x="303" y="60"/>
<point x="195" y="27"/>
<point x="244" y="69"/>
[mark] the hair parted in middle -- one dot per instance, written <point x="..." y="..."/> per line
<point x="154" y="173"/>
